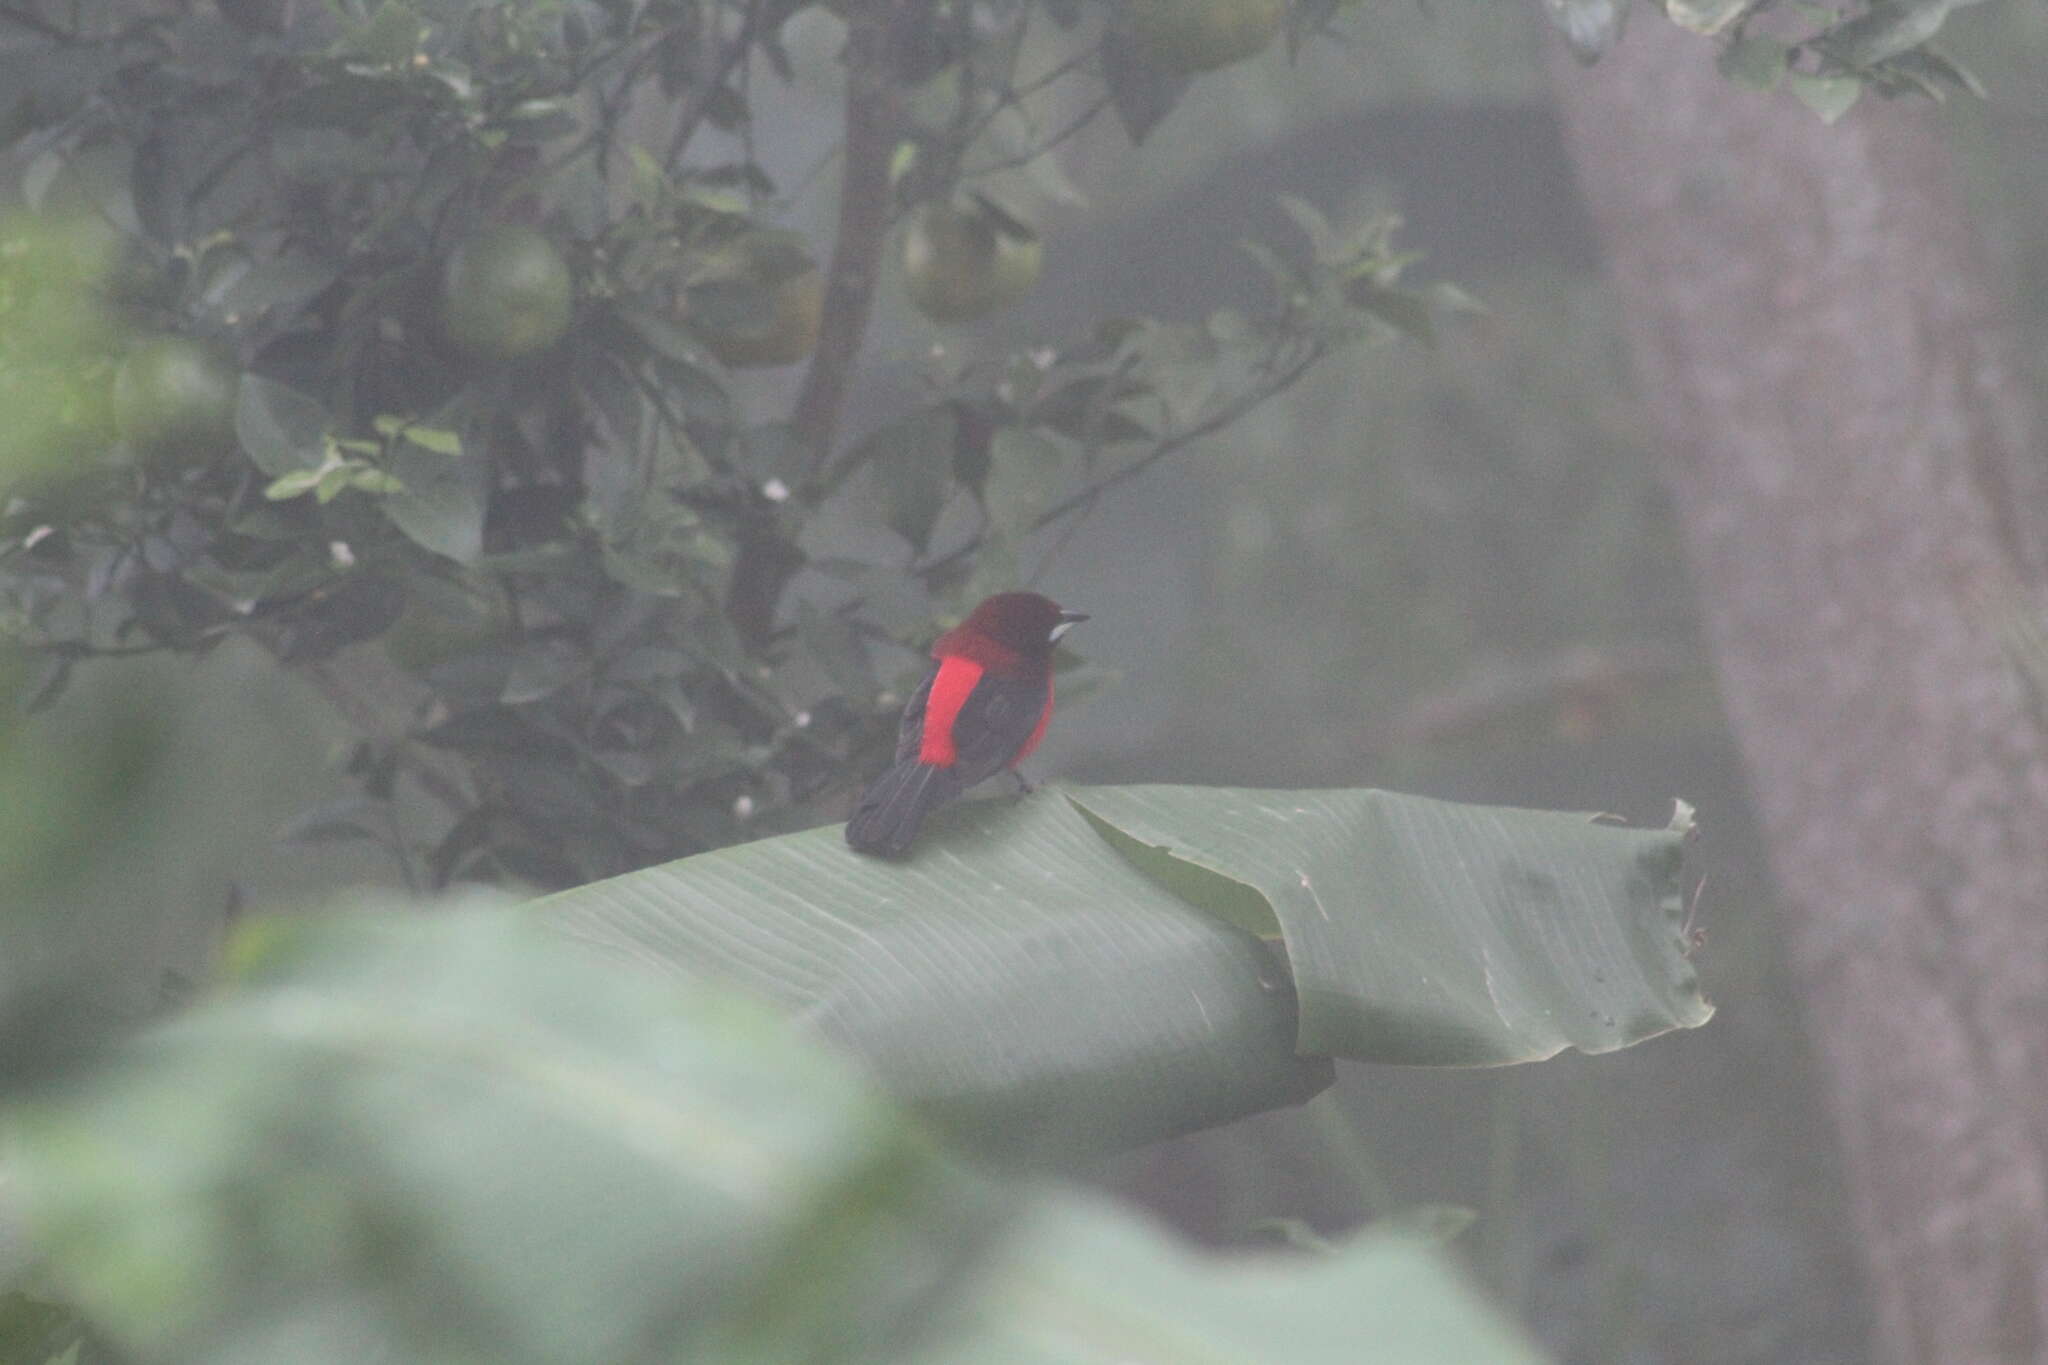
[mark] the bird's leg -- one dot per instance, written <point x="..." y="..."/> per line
<point x="1024" y="787"/>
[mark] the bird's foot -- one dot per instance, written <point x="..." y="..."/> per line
<point x="1024" y="787"/>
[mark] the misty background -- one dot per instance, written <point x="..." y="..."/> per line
<point x="1450" y="571"/>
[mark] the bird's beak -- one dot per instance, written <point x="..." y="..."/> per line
<point x="1068" y="620"/>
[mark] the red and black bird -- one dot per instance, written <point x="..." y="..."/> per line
<point x="982" y="707"/>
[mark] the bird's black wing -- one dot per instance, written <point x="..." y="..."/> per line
<point x="910" y="737"/>
<point x="994" y="721"/>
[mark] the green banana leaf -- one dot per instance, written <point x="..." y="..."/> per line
<point x="1432" y="933"/>
<point x="1016" y="980"/>
<point x="1088" y="968"/>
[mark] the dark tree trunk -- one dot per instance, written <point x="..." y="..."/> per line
<point x="1851" y="457"/>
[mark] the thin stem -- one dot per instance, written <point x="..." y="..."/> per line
<point x="1057" y="73"/>
<point x="699" y="104"/>
<point x="1031" y="154"/>
<point x="370" y="720"/>
<point x="1053" y="551"/>
<point x="654" y="394"/>
<point x="1283" y="380"/>
<point x="611" y="106"/>
<point x="1013" y="97"/>
<point x="1091" y="445"/>
<point x="1283" y="377"/>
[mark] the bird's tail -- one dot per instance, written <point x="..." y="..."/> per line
<point x="895" y="804"/>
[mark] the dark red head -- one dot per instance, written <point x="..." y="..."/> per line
<point x="1010" y="630"/>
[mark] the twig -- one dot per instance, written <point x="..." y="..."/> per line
<point x="654" y="394"/>
<point x="372" y="722"/>
<point x="1031" y="154"/>
<point x="611" y="107"/>
<point x="1283" y="379"/>
<point x="1013" y="97"/>
<point x="1054" y="550"/>
<point x="699" y="103"/>
<point x="1091" y="444"/>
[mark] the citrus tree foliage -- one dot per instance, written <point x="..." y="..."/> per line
<point x="1826" y="54"/>
<point x="423" y="321"/>
<point x="434" y="312"/>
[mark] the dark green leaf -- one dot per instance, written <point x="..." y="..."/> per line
<point x="540" y="668"/>
<point x="1885" y="30"/>
<point x="1141" y="92"/>
<point x="159" y="191"/>
<point x="283" y="430"/>
<point x="1935" y="72"/>
<point x="836" y="647"/>
<point x="911" y="471"/>
<point x="443" y="503"/>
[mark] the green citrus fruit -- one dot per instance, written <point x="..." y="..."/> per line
<point x="174" y="395"/>
<point x="753" y="337"/>
<point x="506" y="294"/>
<point x="1201" y="35"/>
<point x="964" y="263"/>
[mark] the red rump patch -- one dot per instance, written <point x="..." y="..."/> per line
<point x="957" y="677"/>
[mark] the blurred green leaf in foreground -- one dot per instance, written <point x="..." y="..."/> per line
<point x="409" y="1139"/>
<point x="56" y="357"/>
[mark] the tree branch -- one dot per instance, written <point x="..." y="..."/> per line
<point x="874" y="122"/>
<point x="699" y="104"/>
